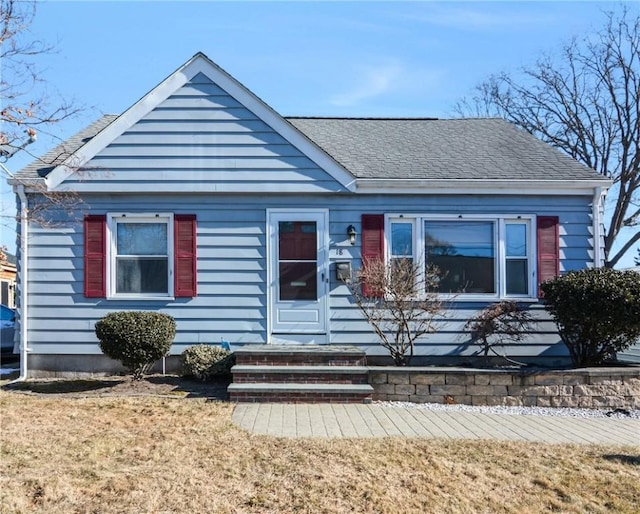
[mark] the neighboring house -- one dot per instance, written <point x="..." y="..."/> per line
<point x="7" y="279"/>
<point x="202" y="202"/>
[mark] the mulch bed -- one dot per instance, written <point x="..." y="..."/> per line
<point x="152" y="385"/>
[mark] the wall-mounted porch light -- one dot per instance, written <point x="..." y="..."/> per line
<point x="351" y="232"/>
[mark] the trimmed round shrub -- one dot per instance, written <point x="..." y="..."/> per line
<point x="205" y="362"/>
<point x="136" y="338"/>
<point x="597" y="312"/>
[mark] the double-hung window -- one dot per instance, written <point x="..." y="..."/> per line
<point x="484" y="256"/>
<point x="402" y="241"/>
<point x="517" y="256"/>
<point x="140" y="260"/>
<point x="402" y="252"/>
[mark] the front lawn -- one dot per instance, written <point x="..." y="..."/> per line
<point x="168" y="455"/>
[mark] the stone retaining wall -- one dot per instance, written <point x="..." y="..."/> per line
<point x="593" y="388"/>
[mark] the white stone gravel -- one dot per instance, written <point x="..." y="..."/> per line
<point x="517" y="411"/>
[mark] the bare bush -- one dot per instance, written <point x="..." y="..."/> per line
<point x="399" y="300"/>
<point x="499" y="324"/>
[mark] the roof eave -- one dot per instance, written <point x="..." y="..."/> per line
<point x="31" y="185"/>
<point x="471" y="186"/>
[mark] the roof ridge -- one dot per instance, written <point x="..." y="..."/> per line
<point x="390" y="118"/>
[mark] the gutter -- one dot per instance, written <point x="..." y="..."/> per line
<point x="24" y="226"/>
<point x="475" y="186"/>
<point x="597" y="224"/>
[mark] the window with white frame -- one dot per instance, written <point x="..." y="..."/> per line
<point x="517" y="256"/>
<point x="140" y="260"/>
<point x="485" y="256"/>
<point x="402" y="241"/>
<point x="464" y="252"/>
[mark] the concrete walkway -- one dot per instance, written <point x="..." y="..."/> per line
<point x="373" y="420"/>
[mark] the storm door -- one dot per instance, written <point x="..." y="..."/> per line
<point x="298" y="276"/>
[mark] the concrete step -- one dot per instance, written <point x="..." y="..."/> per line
<point x="300" y="393"/>
<point x="301" y="374"/>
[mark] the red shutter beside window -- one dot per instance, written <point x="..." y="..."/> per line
<point x="95" y="261"/>
<point x="185" y="274"/>
<point x="372" y="244"/>
<point x="548" y="249"/>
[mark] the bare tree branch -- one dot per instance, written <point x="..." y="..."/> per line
<point x="26" y="108"/>
<point x="626" y="247"/>
<point x="584" y="102"/>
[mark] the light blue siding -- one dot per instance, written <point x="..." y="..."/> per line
<point x="232" y="269"/>
<point x="200" y="138"/>
<point x="631" y="355"/>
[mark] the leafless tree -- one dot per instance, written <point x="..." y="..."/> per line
<point x="584" y="101"/>
<point x="26" y="107"/>
<point x="399" y="300"/>
<point x="499" y="324"/>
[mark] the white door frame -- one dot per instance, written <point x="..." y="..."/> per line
<point x="273" y="217"/>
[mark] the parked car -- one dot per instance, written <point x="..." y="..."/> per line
<point x="7" y="328"/>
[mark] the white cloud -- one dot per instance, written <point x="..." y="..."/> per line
<point x="476" y="19"/>
<point x="394" y="78"/>
<point x="374" y="82"/>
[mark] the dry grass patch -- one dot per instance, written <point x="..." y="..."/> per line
<point x="155" y="455"/>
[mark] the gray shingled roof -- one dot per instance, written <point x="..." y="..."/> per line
<point x="41" y="167"/>
<point x="375" y="148"/>
<point x="454" y="149"/>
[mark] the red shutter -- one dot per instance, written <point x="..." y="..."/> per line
<point x="95" y="261"/>
<point x="548" y="249"/>
<point x="185" y="274"/>
<point x="372" y="244"/>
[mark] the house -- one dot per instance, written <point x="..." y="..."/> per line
<point x="7" y="278"/>
<point x="202" y="202"/>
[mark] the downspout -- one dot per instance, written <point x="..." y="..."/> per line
<point x="597" y="224"/>
<point x="24" y="226"/>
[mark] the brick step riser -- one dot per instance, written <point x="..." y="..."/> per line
<point x="300" y="378"/>
<point x="256" y="378"/>
<point x="306" y="397"/>
<point x="299" y="360"/>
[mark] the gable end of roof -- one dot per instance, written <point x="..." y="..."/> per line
<point x="200" y="63"/>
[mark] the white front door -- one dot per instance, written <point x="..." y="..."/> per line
<point x="298" y="275"/>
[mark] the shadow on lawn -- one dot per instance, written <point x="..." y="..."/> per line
<point x="153" y="385"/>
<point x="631" y="460"/>
<point x="215" y="389"/>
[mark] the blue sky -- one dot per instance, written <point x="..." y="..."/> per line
<point x="302" y="58"/>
